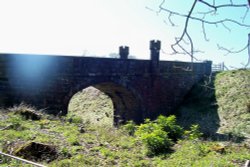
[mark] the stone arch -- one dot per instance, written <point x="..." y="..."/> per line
<point x="126" y="103"/>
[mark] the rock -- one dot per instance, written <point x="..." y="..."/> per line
<point x="82" y="129"/>
<point x="218" y="148"/>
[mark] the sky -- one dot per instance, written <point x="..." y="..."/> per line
<point x="99" y="27"/>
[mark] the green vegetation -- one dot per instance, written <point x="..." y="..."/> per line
<point x="160" y="134"/>
<point x="233" y="98"/>
<point x="210" y="129"/>
<point x="92" y="107"/>
<point x="220" y="105"/>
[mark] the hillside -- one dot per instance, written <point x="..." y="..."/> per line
<point x="220" y="106"/>
<point x="92" y="106"/>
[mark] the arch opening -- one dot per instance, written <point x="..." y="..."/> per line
<point x="92" y="106"/>
<point x="105" y="104"/>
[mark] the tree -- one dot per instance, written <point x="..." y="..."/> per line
<point x="114" y="55"/>
<point x="205" y="12"/>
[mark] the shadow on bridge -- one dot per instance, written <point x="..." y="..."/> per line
<point x="200" y="107"/>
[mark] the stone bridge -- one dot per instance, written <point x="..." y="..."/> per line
<point x="138" y="88"/>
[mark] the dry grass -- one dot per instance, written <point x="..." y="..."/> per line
<point x="93" y="107"/>
<point x="222" y="107"/>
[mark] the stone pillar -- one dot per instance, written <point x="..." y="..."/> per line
<point x="123" y="52"/>
<point x="155" y="46"/>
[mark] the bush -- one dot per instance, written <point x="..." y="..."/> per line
<point x="158" y="135"/>
<point x="75" y="119"/>
<point x="168" y="124"/>
<point x="193" y="133"/>
<point x="157" y="142"/>
<point x="130" y="127"/>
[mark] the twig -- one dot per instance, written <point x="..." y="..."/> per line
<point x="20" y="159"/>
<point x="204" y="21"/>
<point x="247" y="164"/>
<point x="7" y="127"/>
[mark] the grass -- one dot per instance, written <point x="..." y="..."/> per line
<point x="113" y="147"/>
<point x="204" y="153"/>
<point x="233" y="97"/>
<point x="219" y="107"/>
<point x="92" y="107"/>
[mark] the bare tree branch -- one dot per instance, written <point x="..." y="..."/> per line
<point x="187" y="47"/>
<point x="185" y="32"/>
<point x="231" y="51"/>
<point x="248" y="62"/>
<point x="231" y="5"/>
<point x="204" y="32"/>
<point x="245" y="15"/>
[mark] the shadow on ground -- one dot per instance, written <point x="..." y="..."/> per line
<point x="200" y="107"/>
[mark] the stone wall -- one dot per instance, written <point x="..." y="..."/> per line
<point x="138" y="88"/>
